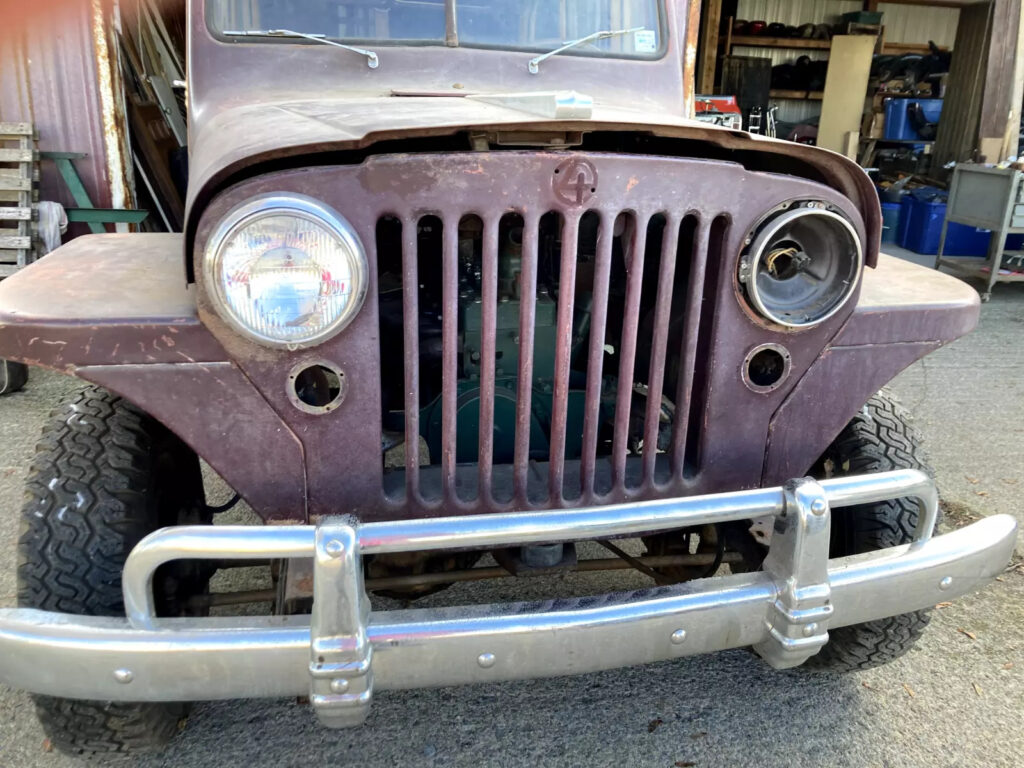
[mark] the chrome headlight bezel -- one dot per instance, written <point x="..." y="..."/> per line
<point x="298" y="206"/>
<point x="768" y="231"/>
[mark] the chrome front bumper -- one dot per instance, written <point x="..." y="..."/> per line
<point x="342" y="652"/>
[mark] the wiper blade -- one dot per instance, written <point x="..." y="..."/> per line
<point x="371" y="58"/>
<point x="534" y="65"/>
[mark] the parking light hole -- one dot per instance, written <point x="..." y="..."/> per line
<point x="316" y="388"/>
<point x="766" y="367"/>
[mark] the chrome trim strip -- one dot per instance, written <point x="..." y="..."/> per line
<point x="226" y="658"/>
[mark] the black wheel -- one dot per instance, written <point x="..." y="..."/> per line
<point x="105" y="475"/>
<point x="878" y="439"/>
<point x="13" y="376"/>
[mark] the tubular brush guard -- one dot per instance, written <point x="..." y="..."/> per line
<point x="342" y="652"/>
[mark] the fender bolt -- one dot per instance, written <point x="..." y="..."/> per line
<point x="339" y="685"/>
<point x="810" y="629"/>
<point x="486" y="660"/>
<point x="946" y="583"/>
<point x="678" y="636"/>
<point x="819" y="507"/>
<point x="123" y="676"/>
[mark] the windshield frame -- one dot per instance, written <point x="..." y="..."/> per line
<point x="376" y="43"/>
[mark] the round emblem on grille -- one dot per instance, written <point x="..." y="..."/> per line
<point x="575" y="181"/>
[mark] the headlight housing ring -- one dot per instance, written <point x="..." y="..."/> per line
<point x="802" y="264"/>
<point x="286" y="270"/>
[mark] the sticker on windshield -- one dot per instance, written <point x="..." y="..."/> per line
<point x="645" y="41"/>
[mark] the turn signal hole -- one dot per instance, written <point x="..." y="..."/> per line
<point x="316" y="388"/>
<point x="766" y="367"/>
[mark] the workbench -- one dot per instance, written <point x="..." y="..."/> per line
<point x="987" y="198"/>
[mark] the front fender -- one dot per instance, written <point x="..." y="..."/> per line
<point x="115" y="310"/>
<point x="904" y="313"/>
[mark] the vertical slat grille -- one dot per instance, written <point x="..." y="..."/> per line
<point x="560" y="402"/>
<point x="449" y="355"/>
<point x="411" y="340"/>
<point x="659" y="342"/>
<point x="634" y="260"/>
<point x="489" y="309"/>
<point x="527" y="318"/>
<point x="688" y="352"/>
<point x="640" y="329"/>
<point x="595" y="356"/>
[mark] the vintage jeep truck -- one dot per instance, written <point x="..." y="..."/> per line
<point x="451" y="285"/>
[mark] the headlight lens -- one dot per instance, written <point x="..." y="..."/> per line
<point x="802" y="265"/>
<point x="286" y="270"/>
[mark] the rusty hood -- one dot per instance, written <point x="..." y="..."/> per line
<point x="241" y="140"/>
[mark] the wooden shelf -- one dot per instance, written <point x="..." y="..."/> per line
<point x="775" y="93"/>
<point x="865" y="139"/>
<point x="779" y="42"/>
<point x="796" y="43"/>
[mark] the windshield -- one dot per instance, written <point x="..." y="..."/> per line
<point x="526" y="25"/>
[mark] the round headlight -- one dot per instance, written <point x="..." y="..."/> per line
<point x="286" y="270"/>
<point x="802" y="265"/>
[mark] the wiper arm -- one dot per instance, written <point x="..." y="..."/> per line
<point x="371" y="58"/>
<point x="534" y="65"/>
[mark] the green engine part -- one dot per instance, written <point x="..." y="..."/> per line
<point x="506" y="352"/>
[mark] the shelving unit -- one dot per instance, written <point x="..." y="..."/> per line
<point x="796" y="43"/>
<point x="19" y="179"/>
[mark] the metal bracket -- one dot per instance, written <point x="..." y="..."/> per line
<point x="341" y="653"/>
<point x="798" y="562"/>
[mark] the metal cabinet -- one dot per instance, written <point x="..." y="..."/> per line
<point x="989" y="198"/>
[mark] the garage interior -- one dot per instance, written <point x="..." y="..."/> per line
<point x="927" y="96"/>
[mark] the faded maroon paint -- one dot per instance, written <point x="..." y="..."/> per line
<point x="102" y="300"/>
<point x="253" y="103"/>
<point x="216" y="410"/>
<point x="236" y="414"/>
<point x="163" y="346"/>
<point x="905" y="312"/>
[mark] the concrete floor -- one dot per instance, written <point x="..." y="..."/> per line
<point x="956" y="700"/>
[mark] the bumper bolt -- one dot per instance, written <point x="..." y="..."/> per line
<point x="678" y="636"/>
<point x="486" y="660"/>
<point x="124" y="676"/>
<point x="334" y="548"/>
<point x="946" y="583"/>
<point x="819" y="506"/>
<point x="810" y="629"/>
<point x="339" y="685"/>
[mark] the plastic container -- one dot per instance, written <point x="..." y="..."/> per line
<point x="920" y="230"/>
<point x="890" y="221"/>
<point x="863" y="17"/>
<point x="923" y="227"/>
<point x="962" y="240"/>
<point x="897" y="121"/>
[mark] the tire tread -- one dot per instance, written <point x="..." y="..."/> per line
<point x="88" y="501"/>
<point x="879" y="438"/>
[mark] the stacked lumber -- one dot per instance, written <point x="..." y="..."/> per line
<point x="19" y="192"/>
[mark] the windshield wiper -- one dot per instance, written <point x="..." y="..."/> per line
<point x="371" y="58"/>
<point x="534" y="65"/>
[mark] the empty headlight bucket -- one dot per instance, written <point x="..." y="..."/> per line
<point x="801" y="265"/>
<point x="286" y="270"/>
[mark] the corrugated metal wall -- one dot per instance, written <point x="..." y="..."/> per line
<point x="903" y="24"/>
<point x="63" y="76"/>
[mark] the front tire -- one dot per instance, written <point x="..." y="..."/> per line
<point x="878" y="439"/>
<point x="105" y="475"/>
<point x="13" y="376"/>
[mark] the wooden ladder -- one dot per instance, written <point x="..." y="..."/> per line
<point x="19" y="193"/>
